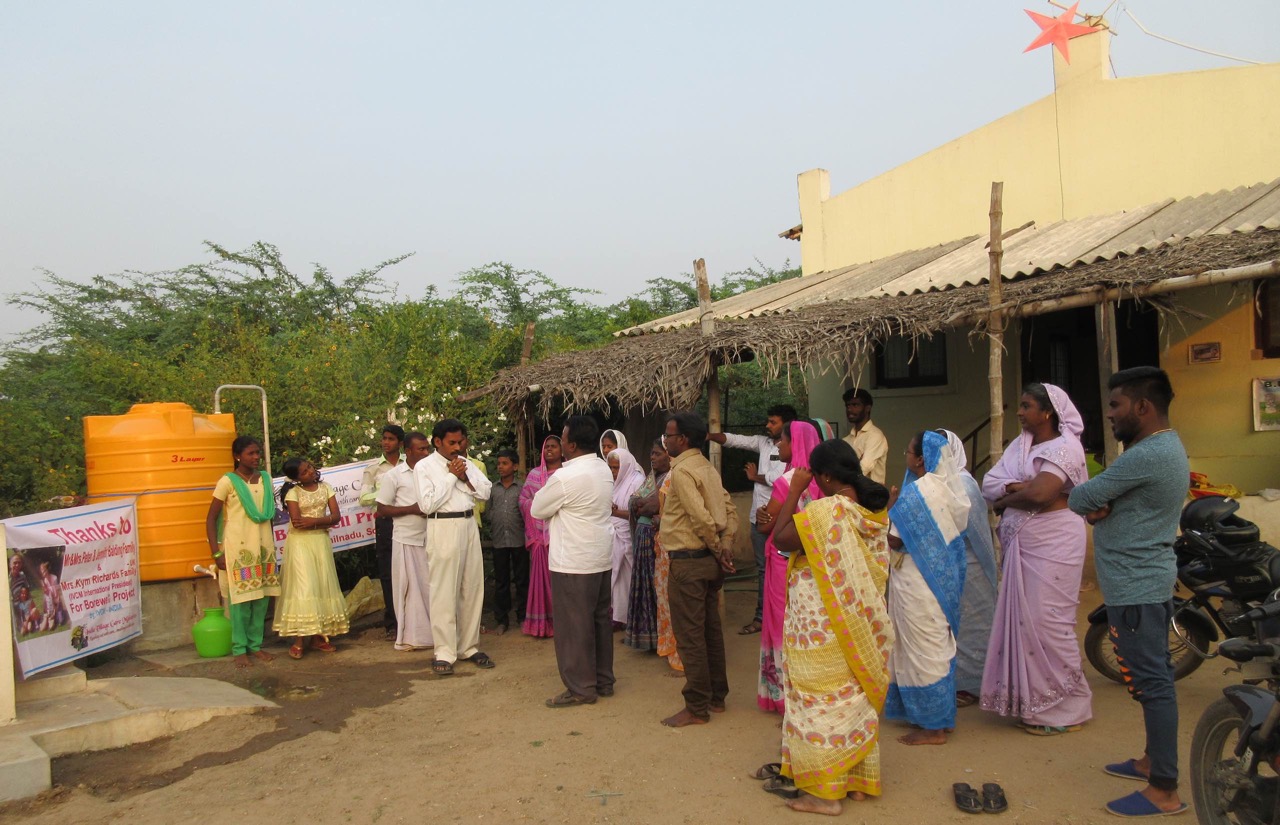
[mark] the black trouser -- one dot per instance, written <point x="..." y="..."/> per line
<point x="693" y="590"/>
<point x="581" y="606"/>
<point x="382" y="545"/>
<point x="509" y="562"/>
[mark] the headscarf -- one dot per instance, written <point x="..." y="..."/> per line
<point x="629" y="479"/>
<point x="803" y="438"/>
<point x="978" y="532"/>
<point x="536" y="531"/>
<point x="931" y="515"/>
<point x="618" y="438"/>
<point x="825" y="431"/>
<point x="1064" y="452"/>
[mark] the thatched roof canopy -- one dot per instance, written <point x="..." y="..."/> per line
<point x="667" y="370"/>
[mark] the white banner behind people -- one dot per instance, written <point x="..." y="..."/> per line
<point x="73" y="582"/>
<point x="356" y="527"/>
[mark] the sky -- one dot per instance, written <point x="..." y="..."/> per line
<point x="601" y="145"/>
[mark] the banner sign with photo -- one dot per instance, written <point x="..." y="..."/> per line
<point x="355" y="529"/>
<point x="73" y="582"/>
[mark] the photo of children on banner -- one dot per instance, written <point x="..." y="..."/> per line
<point x="35" y="591"/>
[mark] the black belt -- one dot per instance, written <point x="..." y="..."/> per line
<point x="463" y="514"/>
<point x="689" y="554"/>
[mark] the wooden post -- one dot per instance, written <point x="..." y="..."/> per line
<point x="522" y="427"/>
<point x="1104" y="318"/>
<point x="713" y="379"/>
<point x="995" y="325"/>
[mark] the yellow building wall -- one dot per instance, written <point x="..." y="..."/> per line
<point x="1096" y="145"/>
<point x="1212" y="408"/>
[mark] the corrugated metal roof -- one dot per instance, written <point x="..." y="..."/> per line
<point x="1028" y="252"/>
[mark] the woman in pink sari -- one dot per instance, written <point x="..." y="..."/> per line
<point x="794" y="446"/>
<point x="1033" y="659"/>
<point x="537" y="540"/>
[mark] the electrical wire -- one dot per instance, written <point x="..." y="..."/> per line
<point x="1150" y="33"/>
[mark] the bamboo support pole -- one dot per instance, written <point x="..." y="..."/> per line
<point x="522" y="427"/>
<point x="713" y="374"/>
<point x="1104" y="316"/>
<point x="995" y="325"/>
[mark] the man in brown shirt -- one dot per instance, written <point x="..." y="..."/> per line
<point x="698" y="526"/>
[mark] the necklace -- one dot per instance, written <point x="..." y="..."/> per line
<point x="850" y="489"/>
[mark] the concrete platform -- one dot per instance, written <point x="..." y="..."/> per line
<point x="108" y="713"/>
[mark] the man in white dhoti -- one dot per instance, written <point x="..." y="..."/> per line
<point x="397" y="499"/>
<point x="448" y="488"/>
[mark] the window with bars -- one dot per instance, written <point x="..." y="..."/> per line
<point x="903" y="362"/>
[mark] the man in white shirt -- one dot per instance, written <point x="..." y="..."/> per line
<point x="866" y="438"/>
<point x="392" y="438"/>
<point x="397" y="500"/>
<point x="448" y="488"/>
<point x="764" y="471"/>
<point x="577" y="503"/>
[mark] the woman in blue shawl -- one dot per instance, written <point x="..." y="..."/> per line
<point x="925" y="585"/>
<point x="978" y="603"/>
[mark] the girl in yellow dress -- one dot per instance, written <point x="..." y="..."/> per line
<point x="311" y="604"/>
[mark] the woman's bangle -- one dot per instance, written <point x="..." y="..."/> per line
<point x="218" y="554"/>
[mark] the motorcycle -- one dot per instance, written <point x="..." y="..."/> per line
<point x="1227" y="569"/>
<point x="1235" y="750"/>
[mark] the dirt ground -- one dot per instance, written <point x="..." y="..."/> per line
<point x="369" y="735"/>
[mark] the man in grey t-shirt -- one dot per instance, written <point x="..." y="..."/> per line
<point x="1134" y="506"/>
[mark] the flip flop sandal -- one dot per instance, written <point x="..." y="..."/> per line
<point x="965" y="699"/>
<point x="750" y="628"/>
<point x="441" y="668"/>
<point x="993" y="799"/>
<point x="481" y="660"/>
<point x="966" y="798"/>
<point x="1135" y="805"/>
<point x="296" y="651"/>
<point x="325" y="647"/>
<point x="767" y="771"/>
<point x="781" y="786"/>
<point x="1050" y="730"/>
<point x="1125" y="770"/>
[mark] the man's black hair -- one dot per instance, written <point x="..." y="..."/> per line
<point x="690" y="425"/>
<point x="1151" y="383"/>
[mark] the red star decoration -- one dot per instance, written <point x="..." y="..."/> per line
<point x="1058" y="30"/>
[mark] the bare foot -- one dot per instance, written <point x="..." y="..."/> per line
<point x="858" y="796"/>
<point x="924" y="737"/>
<point x="809" y="804"/>
<point x="499" y="630"/>
<point x="1164" y="800"/>
<point x="682" y="719"/>
<point x="675" y="674"/>
<point x="243" y="661"/>
<point x="716" y="708"/>
<point x="263" y="656"/>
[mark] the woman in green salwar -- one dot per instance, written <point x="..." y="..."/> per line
<point x="238" y="527"/>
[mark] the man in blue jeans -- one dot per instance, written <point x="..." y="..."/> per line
<point x="1134" y="507"/>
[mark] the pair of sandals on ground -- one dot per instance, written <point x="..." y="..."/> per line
<point x="320" y="643"/>
<point x="991" y="801"/>
<point x="480" y="659"/>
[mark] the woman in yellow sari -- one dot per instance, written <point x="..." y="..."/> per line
<point x="836" y="633"/>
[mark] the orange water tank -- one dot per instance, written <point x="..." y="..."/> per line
<point x="169" y="456"/>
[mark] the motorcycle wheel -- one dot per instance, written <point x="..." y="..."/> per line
<point x="1101" y="653"/>
<point x="1215" y="771"/>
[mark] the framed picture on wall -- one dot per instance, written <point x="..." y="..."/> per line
<point x="1206" y="353"/>
<point x="1266" y="404"/>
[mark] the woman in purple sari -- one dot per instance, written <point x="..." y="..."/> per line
<point x="1033" y="660"/>
<point x="537" y="540"/>
<point x="794" y="446"/>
